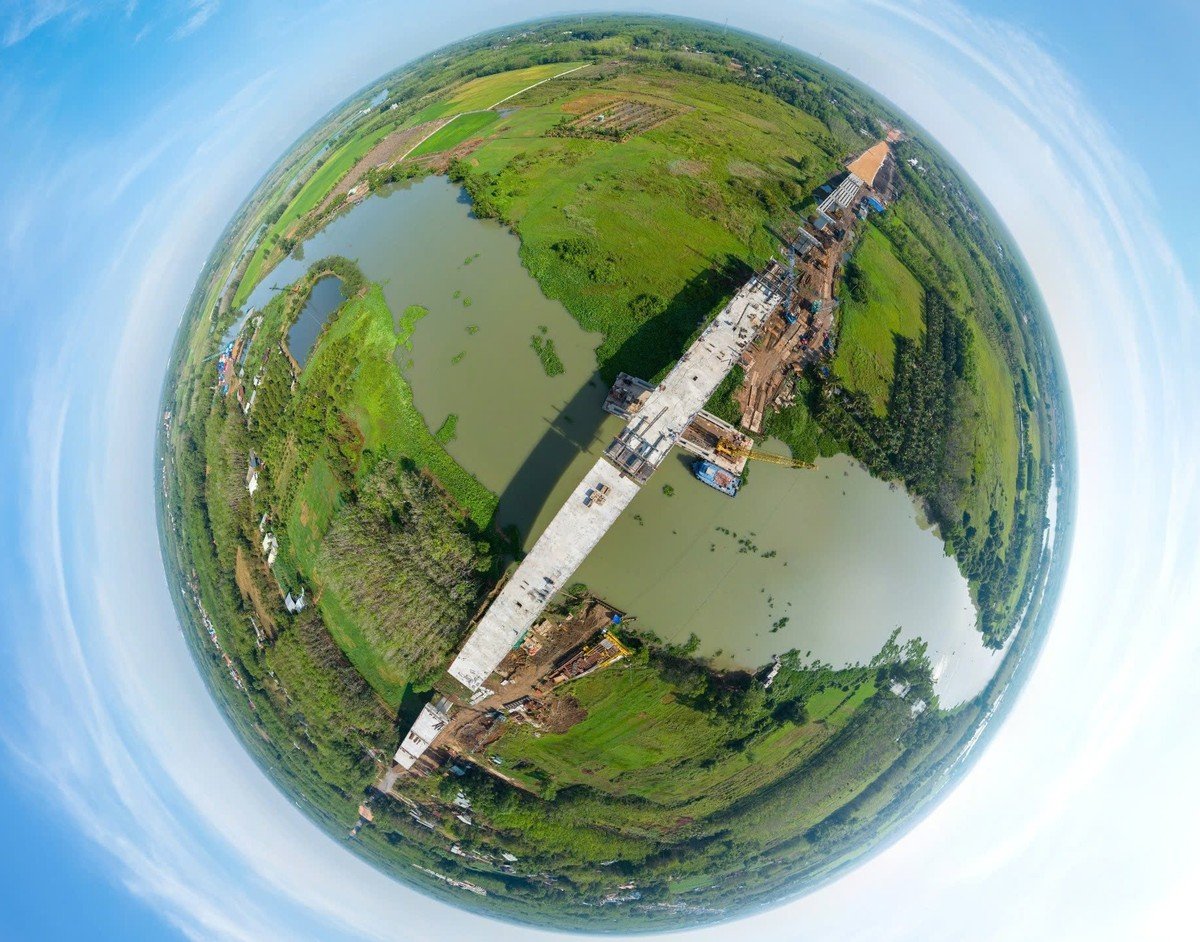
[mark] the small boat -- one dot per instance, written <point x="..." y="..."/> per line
<point x="716" y="477"/>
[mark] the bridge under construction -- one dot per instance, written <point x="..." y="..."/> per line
<point x="660" y="417"/>
<point x="664" y="412"/>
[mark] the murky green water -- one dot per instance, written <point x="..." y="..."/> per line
<point x="826" y="560"/>
<point x="831" y="559"/>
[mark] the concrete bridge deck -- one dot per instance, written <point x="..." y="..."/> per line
<point x="592" y="508"/>
<point x="609" y="487"/>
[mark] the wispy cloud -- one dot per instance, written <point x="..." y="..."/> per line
<point x="199" y="13"/>
<point x="25" y="17"/>
<point x="21" y="19"/>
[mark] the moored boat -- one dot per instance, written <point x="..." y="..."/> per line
<point x="716" y="477"/>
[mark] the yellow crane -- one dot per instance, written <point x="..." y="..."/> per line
<point x="735" y="450"/>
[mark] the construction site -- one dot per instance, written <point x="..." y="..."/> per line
<point x="804" y="333"/>
<point x="553" y="652"/>
<point x="778" y="324"/>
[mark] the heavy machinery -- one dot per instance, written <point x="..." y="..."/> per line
<point x="735" y="450"/>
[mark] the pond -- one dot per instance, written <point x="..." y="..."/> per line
<point x="827" y="561"/>
<point x="325" y="298"/>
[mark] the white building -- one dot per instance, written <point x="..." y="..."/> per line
<point x="430" y="722"/>
<point x="294" y="604"/>
<point x="270" y="548"/>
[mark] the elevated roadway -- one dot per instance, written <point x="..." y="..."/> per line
<point x="604" y="493"/>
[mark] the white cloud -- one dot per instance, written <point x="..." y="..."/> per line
<point x="199" y="13"/>
<point x="20" y="19"/>
<point x="25" y="17"/>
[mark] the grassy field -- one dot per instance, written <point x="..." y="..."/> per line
<point x="370" y="394"/>
<point x="641" y="739"/>
<point x="632" y="246"/>
<point x="451" y="135"/>
<point x="380" y="401"/>
<point x="868" y="329"/>
<point x="643" y="239"/>
<point x="635" y="722"/>
<point x="337" y="164"/>
<point x="468" y="102"/>
<point x="995" y="448"/>
<point x="312" y="512"/>
<point x="309" y="519"/>
<point x="387" y="680"/>
<point x="492" y="90"/>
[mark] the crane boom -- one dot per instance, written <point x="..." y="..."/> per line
<point x="779" y="459"/>
<point x="736" y="450"/>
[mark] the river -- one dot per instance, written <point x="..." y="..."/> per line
<point x="827" y="561"/>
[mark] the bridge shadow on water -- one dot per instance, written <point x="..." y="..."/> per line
<point x="662" y="337"/>
<point x="648" y="352"/>
<point x="569" y="433"/>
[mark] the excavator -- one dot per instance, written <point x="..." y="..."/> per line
<point x="735" y="450"/>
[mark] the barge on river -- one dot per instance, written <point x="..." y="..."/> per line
<point x="716" y="477"/>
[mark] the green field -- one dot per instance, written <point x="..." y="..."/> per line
<point x="337" y="164"/>
<point x="312" y="512"/>
<point x="387" y="680"/>
<point x="451" y="135"/>
<point x="642" y="739"/>
<point x="487" y="91"/>
<point x="380" y="401"/>
<point x="633" y="247"/>
<point x="467" y="102"/>
<point x="866" y="354"/>
<point x="643" y="238"/>
<point x="351" y="371"/>
<point x="491" y="90"/>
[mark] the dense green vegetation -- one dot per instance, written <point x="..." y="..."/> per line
<point x="547" y="355"/>
<point x="709" y="790"/>
<point x="643" y="239"/>
<point x="913" y="442"/>
<point x="398" y="558"/>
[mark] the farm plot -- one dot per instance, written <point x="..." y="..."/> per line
<point x="618" y="120"/>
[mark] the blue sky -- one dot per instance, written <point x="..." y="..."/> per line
<point x="130" y="132"/>
<point x="55" y="885"/>
<point x="1136" y="62"/>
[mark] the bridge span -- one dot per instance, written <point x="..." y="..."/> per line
<point x="600" y="498"/>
